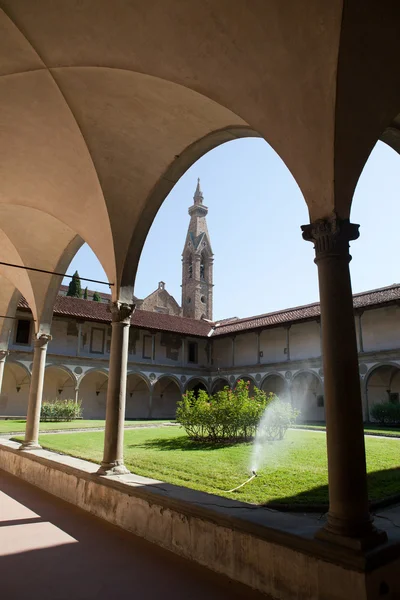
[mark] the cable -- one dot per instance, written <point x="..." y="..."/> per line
<point x="54" y="273"/>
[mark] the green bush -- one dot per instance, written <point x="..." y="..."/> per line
<point x="227" y="415"/>
<point x="61" y="410"/>
<point x="386" y="413"/>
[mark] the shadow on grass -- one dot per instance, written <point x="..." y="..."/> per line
<point x="184" y="443"/>
<point x="383" y="490"/>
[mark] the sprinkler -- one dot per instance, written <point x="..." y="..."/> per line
<point x="253" y="474"/>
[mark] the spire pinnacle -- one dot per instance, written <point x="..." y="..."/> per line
<point x="198" y="195"/>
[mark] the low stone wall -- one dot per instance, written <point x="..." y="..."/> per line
<point x="269" y="551"/>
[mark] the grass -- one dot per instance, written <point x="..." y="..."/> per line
<point x="17" y="425"/>
<point x="294" y="471"/>
<point x="368" y="429"/>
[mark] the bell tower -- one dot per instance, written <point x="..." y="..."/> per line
<point x="197" y="263"/>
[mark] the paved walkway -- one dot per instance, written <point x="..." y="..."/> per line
<point x="51" y="550"/>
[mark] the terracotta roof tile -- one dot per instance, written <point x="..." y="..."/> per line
<point x="300" y="313"/>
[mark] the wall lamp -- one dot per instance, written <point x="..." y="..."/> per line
<point x="18" y="388"/>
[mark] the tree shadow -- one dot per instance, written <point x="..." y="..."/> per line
<point x="184" y="443"/>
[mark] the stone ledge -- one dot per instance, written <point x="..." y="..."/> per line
<point x="267" y="550"/>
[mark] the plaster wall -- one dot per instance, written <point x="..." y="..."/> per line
<point x="64" y="337"/>
<point x="246" y="349"/>
<point x="222" y="352"/>
<point x="381" y="328"/>
<point x="13" y="403"/>
<point x="137" y="398"/>
<point x="304" y="341"/>
<point x="272" y="345"/>
<point x="93" y="395"/>
<point x="383" y="380"/>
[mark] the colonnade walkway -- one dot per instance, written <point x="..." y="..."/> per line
<point x="51" y="550"/>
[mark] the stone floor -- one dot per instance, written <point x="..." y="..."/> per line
<point x="51" y="550"/>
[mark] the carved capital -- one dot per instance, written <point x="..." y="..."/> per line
<point x="331" y="237"/>
<point x="121" y="312"/>
<point x="42" y="340"/>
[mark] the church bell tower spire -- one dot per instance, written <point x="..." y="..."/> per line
<point x="197" y="263"/>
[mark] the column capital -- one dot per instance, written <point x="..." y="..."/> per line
<point x="121" y="312"/>
<point x="331" y="236"/>
<point x="42" y="340"/>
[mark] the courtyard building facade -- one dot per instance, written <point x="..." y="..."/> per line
<point x="278" y="352"/>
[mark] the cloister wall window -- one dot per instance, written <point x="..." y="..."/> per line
<point x="23" y="332"/>
<point x="192" y="352"/>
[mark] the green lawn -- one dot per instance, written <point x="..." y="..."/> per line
<point x="295" y="470"/>
<point x="368" y="429"/>
<point x="16" y="425"/>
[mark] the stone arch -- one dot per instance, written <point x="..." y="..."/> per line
<point x="166" y="395"/>
<point x="219" y="384"/>
<point x="93" y="393"/>
<point x="137" y="396"/>
<point x="195" y="384"/>
<point x="170" y="177"/>
<point x="15" y="389"/>
<point x="59" y="382"/>
<point x="276" y="384"/>
<point x="307" y="394"/>
<point x="382" y="384"/>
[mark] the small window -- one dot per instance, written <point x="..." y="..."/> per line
<point x="394" y="397"/>
<point x="192" y="352"/>
<point x="203" y="300"/>
<point x="188" y="300"/>
<point x="320" y="401"/>
<point x="190" y="268"/>
<point x="23" y="334"/>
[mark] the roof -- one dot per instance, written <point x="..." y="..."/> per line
<point x="370" y="298"/>
<point x="98" y="311"/>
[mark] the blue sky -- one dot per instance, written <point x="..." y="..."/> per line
<point x="261" y="262"/>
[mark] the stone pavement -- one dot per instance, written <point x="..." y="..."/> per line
<point x="51" y="550"/>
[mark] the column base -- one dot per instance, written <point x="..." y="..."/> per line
<point x="368" y="541"/>
<point x="30" y="446"/>
<point x="115" y="468"/>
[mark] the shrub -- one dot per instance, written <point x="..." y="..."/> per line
<point x="61" y="410"/>
<point x="386" y="413"/>
<point x="227" y="415"/>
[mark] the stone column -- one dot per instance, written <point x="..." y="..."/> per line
<point x="113" y="460"/>
<point x="349" y="521"/>
<point x="76" y="395"/>
<point x="31" y="441"/>
<point x="151" y="401"/>
<point x="3" y="356"/>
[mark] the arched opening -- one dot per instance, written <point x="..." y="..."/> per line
<point x="137" y="397"/>
<point x="250" y="381"/>
<point x="196" y="385"/>
<point x="219" y="385"/>
<point x="58" y="383"/>
<point x="93" y="394"/>
<point x="275" y="384"/>
<point x="166" y="395"/>
<point x="190" y="266"/>
<point x="382" y="385"/>
<point x="308" y="397"/>
<point x="15" y="390"/>
<point x="202" y="267"/>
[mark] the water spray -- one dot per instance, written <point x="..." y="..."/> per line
<point x="253" y="474"/>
